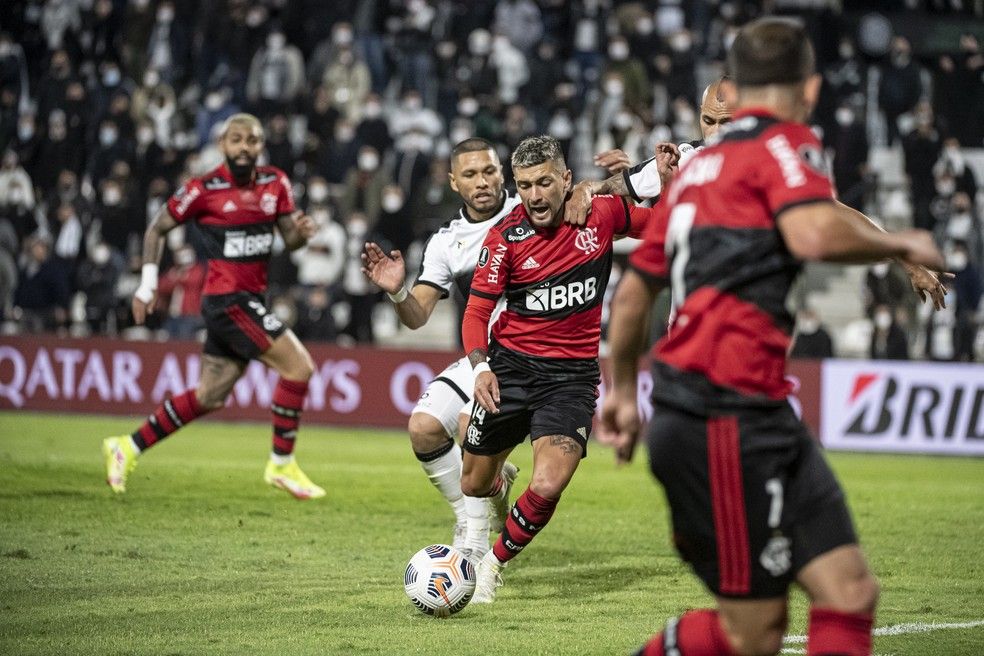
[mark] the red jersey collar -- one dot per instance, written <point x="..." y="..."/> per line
<point x="759" y="111"/>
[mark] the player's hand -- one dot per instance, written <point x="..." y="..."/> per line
<point x="920" y="249"/>
<point x="620" y="424"/>
<point x="615" y="161"/>
<point x="141" y="309"/>
<point x="667" y="161"/>
<point x="388" y="272"/>
<point x="487" y="391"/>
<point x="305" y="226"/>
<point x="577" y="207"/>
<point x="929" y="282"/>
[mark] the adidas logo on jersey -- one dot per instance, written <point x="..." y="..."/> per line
<point x="229" y="206"/>
<point x="583" y="432"/>
<point x="530" y="263"/>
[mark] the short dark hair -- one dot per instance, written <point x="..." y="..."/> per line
<point x="471" y="145"/>
<point x="537" y="150"/>
<point x="771" y="51"/>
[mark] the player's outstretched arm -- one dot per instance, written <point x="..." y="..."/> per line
<point x="660" y="169"/>
<point x="296" y="228"/>
<point x="923" y="280"/>
<point x="825" y="231"/>
<point x="153" y="247"/>
<point x="628" y="332"/>
<point x="475" y="336"/>
<point x="388" y="272"/>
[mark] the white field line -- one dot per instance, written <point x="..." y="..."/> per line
<point x="893" y="630"/>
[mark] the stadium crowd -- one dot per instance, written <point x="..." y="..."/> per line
<point x="107" y="106"/>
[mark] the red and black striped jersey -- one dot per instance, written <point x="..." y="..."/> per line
<point x="553" y="280"/>
<point x="715" y="239"/>
<point x="236" y="224"/>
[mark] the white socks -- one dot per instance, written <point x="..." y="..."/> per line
<point x="281" y="460"/>
<point x="444" y="473"/>
<point x="478" y="524"/>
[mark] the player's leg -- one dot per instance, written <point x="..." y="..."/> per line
<point x="288" y="357"/>
<point x="434" y="423"/>
<point x="831" y="566"/>
<point x="217" y="376"/>
<point x="747" y="627"/>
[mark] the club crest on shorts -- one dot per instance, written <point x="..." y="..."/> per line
<point x="777" y="556"/>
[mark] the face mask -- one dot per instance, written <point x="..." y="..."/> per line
<point x="680" y="43"/>
<point x="645" y="26"/>
<point x="100" y="254"/>
<point x="614" y="88"/>
<point x="845" y="51"/>
<point x="345" y="134"/>
<point x="946" y="187"/>
<point x="107" y="136"/>
<point x="880" y="270"/>
<point x="276" y="41"/>
<point x="151" y="79"/>
<point x="956" y="261"/>
<point x="213" y="101"/>
<point x="318" y="193"/>
<point x="468" y="107"/>
<point x="809" y="326"/>
<point x="111" y="77"/>
<point x="343" y="37"/>
<point x="413" y="103"/>
<point x="17" y="196"/>
<point x="165" y="14"/>
<point x="373" y="110"/>
<point x="25" y="132"/>
<point x="145" y="135"/>
<point x="368" y="161"/>
<point x="618" y="51"/>
<point x="480" y="43"/>
<point x="460" y="134"/>
<point x="844" y="116"/>
<point x="883" y="320"/>
<point x="622" y="121"/>
<point x="392" y="203"/>
<point x="111" y="197"/>
<point x="357" y="228"/>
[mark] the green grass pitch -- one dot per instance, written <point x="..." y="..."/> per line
<point x="200" y="556"/>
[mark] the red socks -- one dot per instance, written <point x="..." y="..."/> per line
<point x="695" y="633"/>
<point x="169" y="416"/>
<point x="833" y="633"/>
<point x="529" y="514"/>
<point x="288" y="401"/>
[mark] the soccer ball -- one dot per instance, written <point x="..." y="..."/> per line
<point x="439" y="580"/>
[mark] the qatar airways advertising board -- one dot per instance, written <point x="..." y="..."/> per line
<point x="903" y="407"/>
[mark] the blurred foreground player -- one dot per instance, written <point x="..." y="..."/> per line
<point x="538" y="373"/>
<point x="237" y="207"/>
<point x="754" y="505"/>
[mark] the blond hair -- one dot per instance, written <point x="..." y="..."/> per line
<point x="242" y="118"/>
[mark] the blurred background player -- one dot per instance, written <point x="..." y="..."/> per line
<point x="237" y="206"/>
<point x="754" y="505"/>
<point x="444" y="407"/>
<point x="537" y="374"/>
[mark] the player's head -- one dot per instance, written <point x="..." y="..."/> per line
<point x="714" y="111"/>
<point x="772" y="63"/>
<point x="241" y="142"/>
<point x="542" y="179"/>
<point x="476" y="174"/>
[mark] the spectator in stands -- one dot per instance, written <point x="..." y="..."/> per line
<point x="372" y="129"/>
<point x="276" y="76"/>
<point x="96" y="278"/>
<point x="968" y="288"/>
<point x="395" y="224"/>
<point x="8" y="269"/>
<point x="921" y="148"/>
<point x="67" y="234"/>
<point x="962" y="223"/>
<point x="43" y="288"/>
<point x="112" y="147"/>
<point x="156" y="102"/>
<point x="54" y="83"/>
<point x="843" y="82"/>
<point x="364" y="187"/>
<point x="13" y="70"/>
<point x="511" y="69"/>
<point x="888" y="341"/>
<point x="16" y="212"/>
<point x="315" y="321"/>
<point x="26" y="141"/>
<point x="959" y="91"/>
<point x="412" y="46"/>
<point x="167" y="44"/>
<point x="59" y="151"/>
<point x="349" y="81"/>
<point x="321" y="261"/>
<point x="120" y="224"/>
<point x="342" y="154"/>
<point x="361" y="295"/>
<point x="885" y="285"/>
<point x="179" y="294"/>
<point x="13" y="178"/>
<point x="61" y="21"/>
<point x="953" y="161"/>
<point x="848" y="140"/>
<point x="900" y="87"/>
<point x="520" y="22"/>
<point x="280" y="152"/>
<point x="217" y="106"/>
<point x="546" y="72"/>
<point x="625" y="77"/>
<point x="812" y="339"/>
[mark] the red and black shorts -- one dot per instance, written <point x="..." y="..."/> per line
<point x="239" y="326"/>
<point x="538" y="397"/>
<point x="751" y="498"/>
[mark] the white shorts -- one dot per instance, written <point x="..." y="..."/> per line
<point x="449" y="395"/>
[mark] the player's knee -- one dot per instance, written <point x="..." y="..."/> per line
<point x="210" y="399"/>
<point x="426" y="433"/>
<point x="304" y="368"/>
<point x="547" y="487"/>
<point x="473" y="486"/>
<point x="759" y="642"/>
<point x="856" y="595"/>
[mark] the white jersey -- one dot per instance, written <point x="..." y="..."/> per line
<point x="452" y="251"/>
<point x="642" y="180"/>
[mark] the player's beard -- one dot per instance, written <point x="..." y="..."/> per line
<point x="241" y="172"/>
